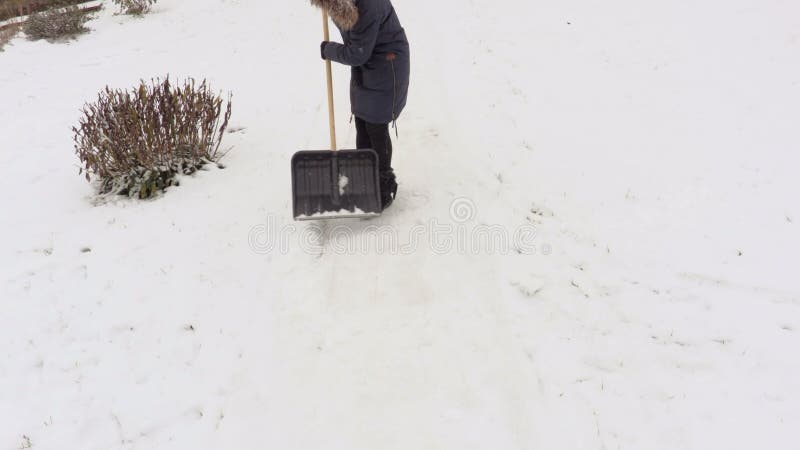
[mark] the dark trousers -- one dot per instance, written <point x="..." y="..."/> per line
<point x="375" y="136"/>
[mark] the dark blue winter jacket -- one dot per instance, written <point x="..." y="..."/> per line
<point x="377" y="49"/>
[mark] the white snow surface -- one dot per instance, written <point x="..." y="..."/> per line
<point x="653" y="145"/>
<point x="342" y="213"/>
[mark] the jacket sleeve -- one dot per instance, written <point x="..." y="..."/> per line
<point x="362" y="38"/>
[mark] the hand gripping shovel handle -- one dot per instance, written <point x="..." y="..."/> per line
<point x="328" y="72"/>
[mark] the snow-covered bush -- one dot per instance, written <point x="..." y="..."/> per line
<point x="135" y="142"/>
<point x="57" y="23"/>
<point x="6" y="34"/>
<point x="15" y="8"/>
<point x="135" y="7"/>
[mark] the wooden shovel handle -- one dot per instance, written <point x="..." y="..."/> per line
<point x="328" y="71"/>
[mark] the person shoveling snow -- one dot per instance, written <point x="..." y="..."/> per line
<point x="376" y="47"/>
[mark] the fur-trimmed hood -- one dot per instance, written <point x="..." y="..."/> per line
<point x="343" y="12"/>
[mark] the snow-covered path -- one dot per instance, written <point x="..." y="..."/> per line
<point x="652" y="146"/>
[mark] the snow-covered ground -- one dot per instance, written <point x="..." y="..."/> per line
<point x="653" y="145"/>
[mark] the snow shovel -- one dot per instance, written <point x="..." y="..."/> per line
<point x="331" y="184"/>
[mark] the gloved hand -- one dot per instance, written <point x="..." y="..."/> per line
<point x="322" y="49"/>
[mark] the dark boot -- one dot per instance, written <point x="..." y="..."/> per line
<point x="388" y="188"/>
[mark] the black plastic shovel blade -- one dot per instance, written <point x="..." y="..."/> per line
<point x="335" y="185"/>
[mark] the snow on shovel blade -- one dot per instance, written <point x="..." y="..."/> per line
<point x="335" y="185"/>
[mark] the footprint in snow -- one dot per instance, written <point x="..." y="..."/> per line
<point x="539" y="213"/>
<point x="529" y="286"/>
